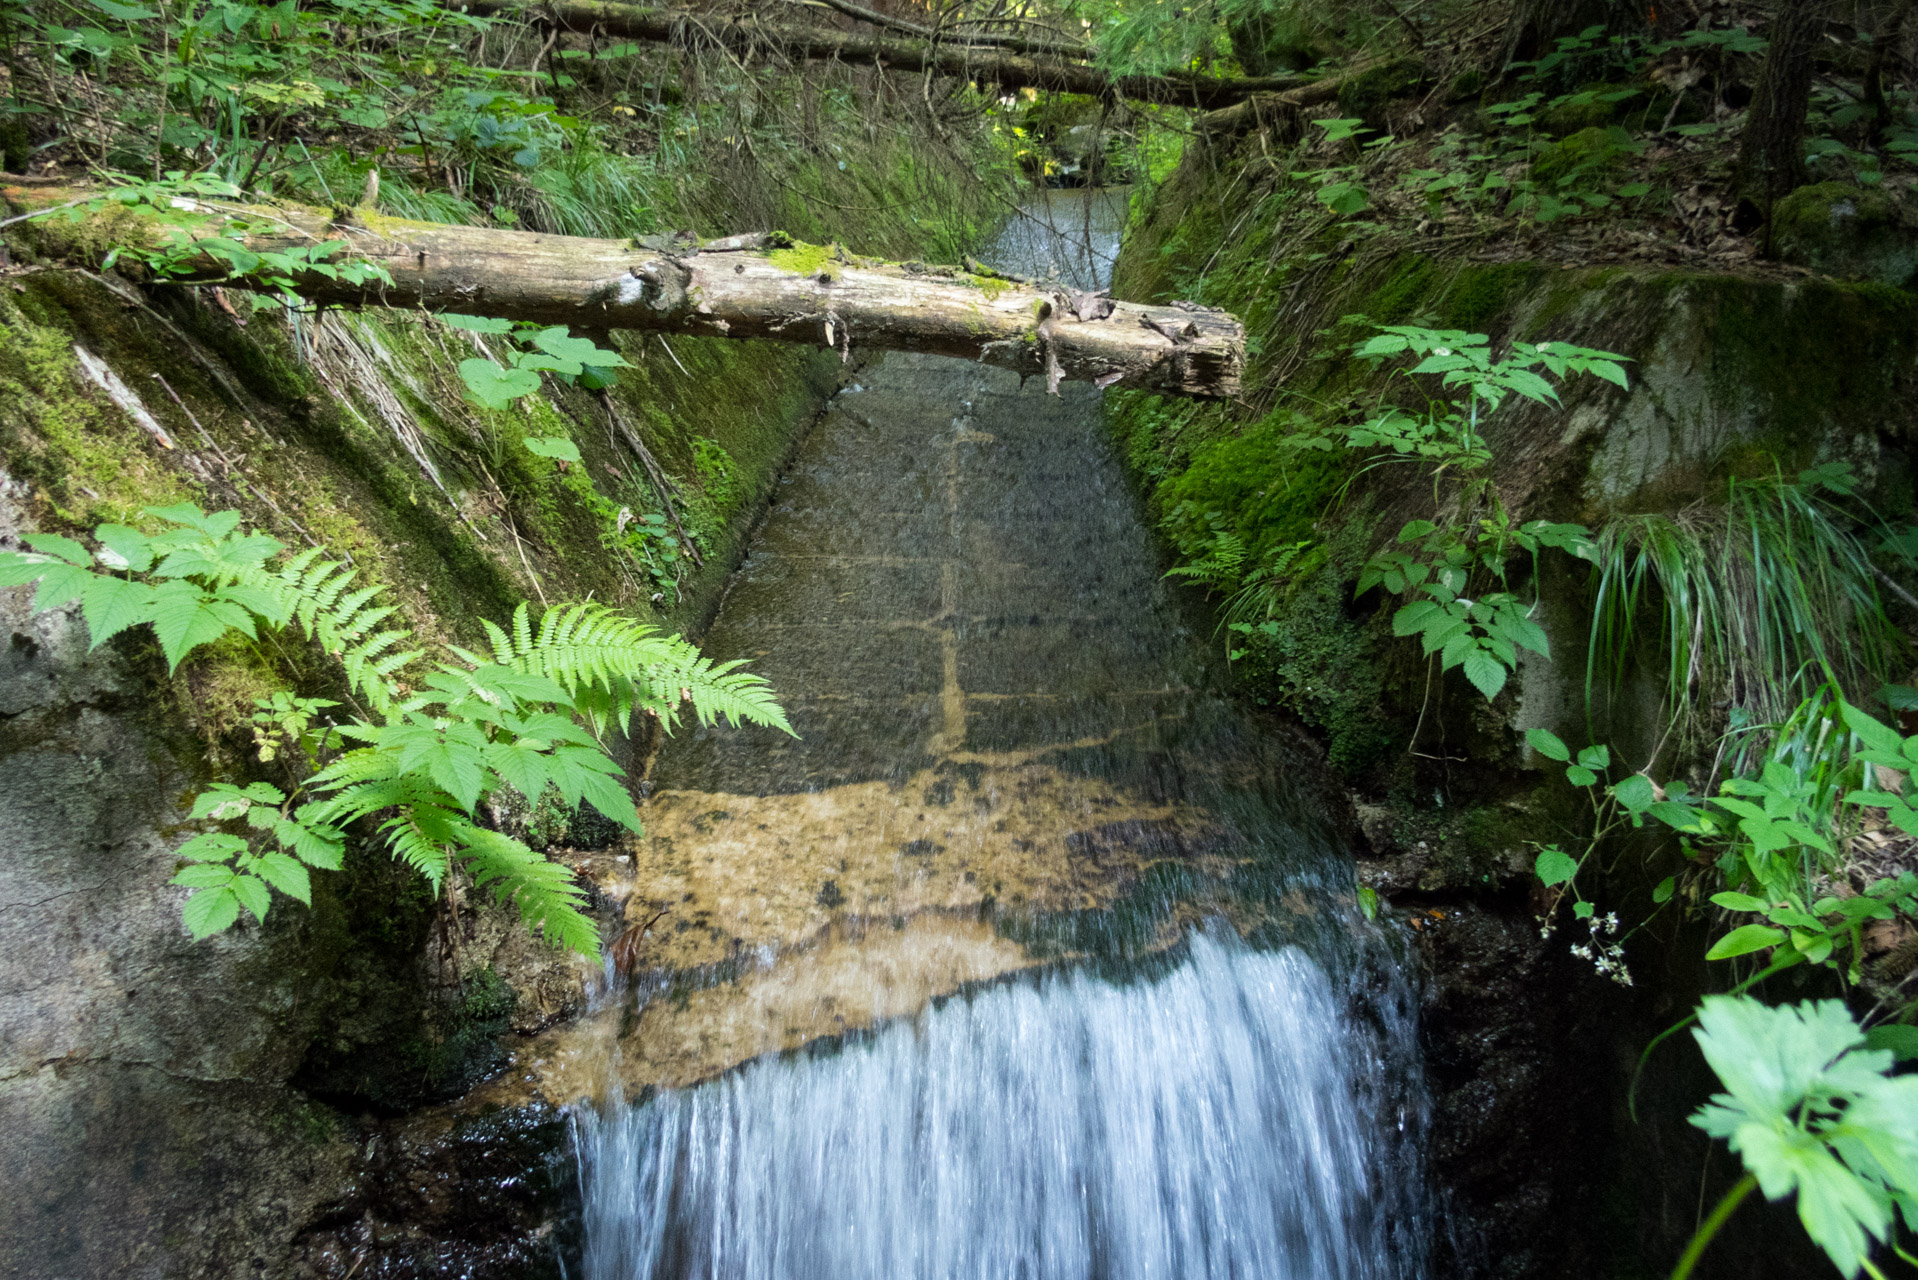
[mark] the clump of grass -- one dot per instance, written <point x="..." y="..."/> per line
<point x="1762" y="600"/>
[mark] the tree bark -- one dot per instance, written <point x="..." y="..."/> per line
<point x="1535" y="26"/>
<point x="1771" y="154"/>
<point x="987" y="66"/>
<point x="1053" y="48"/>
<point x="1262" y="109"/>
<point x="755" y="286"/>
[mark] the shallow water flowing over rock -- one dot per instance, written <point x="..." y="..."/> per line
<point x="1030" y="957"/>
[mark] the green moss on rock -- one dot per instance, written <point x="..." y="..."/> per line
<point x="1849" y="232"/>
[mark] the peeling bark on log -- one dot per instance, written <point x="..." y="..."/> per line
<point x="893" y="53"/>
<point x="744" y="287"/>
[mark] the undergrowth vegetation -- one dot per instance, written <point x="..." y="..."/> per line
<point x="424" y="745"/>
<point x="1711" y="659"/>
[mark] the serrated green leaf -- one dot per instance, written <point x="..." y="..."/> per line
<point x="252" y="893"/>
<point x="1548" y="744"/>
<point x="185" y="617"/>
<point x="210" y="911"/>
<point x="1635" y="793"/>
<point x="286" y="875"/>
<point x="124" y="548"/>
<point x="203" y="875"/>
<point x="60" y="547"/>
<point x="111" y="605"/>
<point x="1554" y="866"/>
<point x="211" y="846"/>
<point x="1486" y="673"/>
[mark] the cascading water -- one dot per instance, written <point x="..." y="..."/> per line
<point x="1091" y="999"/>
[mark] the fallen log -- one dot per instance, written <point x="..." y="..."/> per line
<point x="751" y="286"/>
<point x="1258" y="110"/>
<point x="1058" y="48"/>
<point x="893" y="53"/>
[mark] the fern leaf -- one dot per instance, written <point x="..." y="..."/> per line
<point x="547" y="895"/>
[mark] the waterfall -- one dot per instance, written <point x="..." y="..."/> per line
<point x="958" y="1016"/>
<point x="1202" y="1123"/>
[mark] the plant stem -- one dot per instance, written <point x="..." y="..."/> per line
<point x="1709" y="1228"/>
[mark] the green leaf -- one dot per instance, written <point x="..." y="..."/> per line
<point x="1635" y="793"/>
<point x="1548" y="744"/>
<point x="253" y="895"/>
<point x="1343" y="198"/>
<point x="111" y="605"/>
<point x="125" y="548"/>
<point x="1898" y="1039"/>
<point x="576" y="352"/>
<point x="1740" y="902"/>
<point x="210" y="911"/>
<point x="60" y="547"/>
<point x="1584" y="910"/>
<point x="492" y="387"/>
<point x="1634" y="190"/>
<point x="1554" y="866"/>
<point x="1662" y="893"/>
<point x="185" y="617"/>
<point x="211" y="846"/>
<point x="286" y="875"/>
<point x="1745" y="940"/>
<point x="203" y="875"/>
<point x="1579" y="776"/>
<point x="552" y="447"/>
<point x="1595" y="757"/>
<point x="476" y="324"/>
<point x="124" y="12"/>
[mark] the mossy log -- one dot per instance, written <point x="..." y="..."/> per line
<point x="750" y="286"/>
<point x="944" y="57"/>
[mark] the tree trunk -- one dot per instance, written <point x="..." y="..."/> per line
<point x="755" y="286"/>
<point x="1771" y="154"/>
<point x="941" y="57"/>
<point x="1536" y="26"/>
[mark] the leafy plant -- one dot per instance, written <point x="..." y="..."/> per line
<point x="1483" y="631"/>
<point x="1813" y="1113"/>
<point x="533" y="349"/>
<point x="1771" y="837"/>
<point x="418" y="761"/>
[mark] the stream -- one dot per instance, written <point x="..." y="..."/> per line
<point x="1029" y="957"/>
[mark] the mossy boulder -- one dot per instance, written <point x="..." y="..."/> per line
<point x="1850" y="232"/>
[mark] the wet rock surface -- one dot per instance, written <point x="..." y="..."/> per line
<point x="459" y="1191"/>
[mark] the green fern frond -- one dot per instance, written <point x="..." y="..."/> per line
<point x="546" y="893"/>
<point x="612" y="665"/>
<point x="419" y="836"/>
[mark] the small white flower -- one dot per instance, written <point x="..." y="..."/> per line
<point x="1441" y="351"/>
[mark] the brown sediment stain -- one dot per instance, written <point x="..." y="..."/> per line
<point x="1019" y="833"/>
<point x="777" y="921"/>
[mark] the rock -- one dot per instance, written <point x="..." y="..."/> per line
<point x="1851" y="232"/>
<point x="486" y="1192"/>
<point x="147" y="1128"/>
